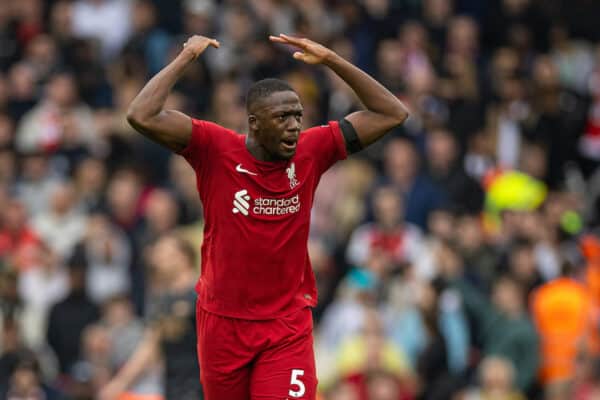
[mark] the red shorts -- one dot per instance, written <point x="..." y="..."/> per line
<point x="256" y="360"/>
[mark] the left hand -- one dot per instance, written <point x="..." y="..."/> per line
<point x="311" y="52"/>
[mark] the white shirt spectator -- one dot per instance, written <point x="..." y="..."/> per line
<point x="108" y="21"/>
<point x="40" y="287"/>
<point x="62" y="226"/>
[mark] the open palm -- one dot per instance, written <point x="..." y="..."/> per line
<point x="311" y="52"/>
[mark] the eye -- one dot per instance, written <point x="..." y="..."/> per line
<point x="281" y="118"/>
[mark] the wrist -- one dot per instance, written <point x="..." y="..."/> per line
<point x="331" y="58"/>
<point x="188" y="54"/>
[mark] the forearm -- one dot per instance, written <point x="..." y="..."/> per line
<point x="374" y="96"/>
<point x="151" y="99"/>
<point x="143" y="356"/>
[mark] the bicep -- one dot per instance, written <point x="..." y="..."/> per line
<point x="170" y="128"/>
<point x="370" y="126"/>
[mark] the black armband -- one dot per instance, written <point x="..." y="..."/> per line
<point x="353" y="144"/>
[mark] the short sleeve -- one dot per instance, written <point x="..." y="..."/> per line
<point x="326" y="143"/>
<point x="202" y="143"/>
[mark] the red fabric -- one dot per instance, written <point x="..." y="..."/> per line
<point x="255" y="261"/>
<point x="359" y="380"/>
<point x="27" y="31"/>
<point x="243" y="359"/>
<point x="390" y="243"/>
<point x="20" y="247"/>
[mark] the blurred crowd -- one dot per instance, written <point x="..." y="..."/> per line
<point x="458" y="258"/>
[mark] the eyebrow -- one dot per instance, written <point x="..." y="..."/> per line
<point x="289" y="112"/>
<point x="287" y="109"/>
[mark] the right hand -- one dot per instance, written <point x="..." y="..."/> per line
<point x="197" y="44"/>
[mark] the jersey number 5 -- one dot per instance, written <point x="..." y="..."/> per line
<point x="296" y="373"/>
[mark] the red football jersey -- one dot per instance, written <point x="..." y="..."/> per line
<point x="255" y="262"/>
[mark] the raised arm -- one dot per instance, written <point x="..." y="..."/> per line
<point x="383" y="110"/>
<point x="146" y="114"/>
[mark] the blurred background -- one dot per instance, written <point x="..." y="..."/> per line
<point x="458" y="258"/>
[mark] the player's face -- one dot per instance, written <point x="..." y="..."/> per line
<point x="278" y="124"/>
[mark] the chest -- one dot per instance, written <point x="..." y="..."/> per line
<point x="240" y="186"/>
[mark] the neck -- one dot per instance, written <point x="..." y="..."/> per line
<point x="256" y="149"/>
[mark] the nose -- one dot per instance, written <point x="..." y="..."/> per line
<point x="293" y="124"/>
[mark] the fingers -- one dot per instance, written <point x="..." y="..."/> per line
<point x="277" y="39"/>
<point x="211" y="42"/>
<point x="294" y="40"/>
<point x="283" y="38"/>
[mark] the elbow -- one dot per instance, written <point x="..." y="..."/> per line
<point x="400" y="115"/>
<point x="396" y="114"/>
<point x="135" y="118"/>
<point x="132" y="117"/>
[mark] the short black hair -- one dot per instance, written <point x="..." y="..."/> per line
<point x="264" y="88"/>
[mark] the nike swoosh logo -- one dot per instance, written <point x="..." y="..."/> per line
<point x="239" y="168"/>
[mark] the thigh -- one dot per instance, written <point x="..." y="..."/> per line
<point x="224" y="363"/>
<point x="286" y="370"/>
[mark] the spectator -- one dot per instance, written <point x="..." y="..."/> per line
<point x="63" y="225"/>
<point x="480" y="259"/>
<point x="40" y="287"/>
<point x="388" y="236"/>
<point x="69" y="317"/>
<point x="125" y="331"/>
<point x="106" y="254"/>
<point x="148" y="43"/>
<point x="421" y="196"/>
<point x="564" y="337"/>
<point x="161" y="216"/>
<point x="522" y="266"/>
<point x="42" y="128"/>
<point x="364" y="355"/>
<point x="442" y="155"/>
<point x="502" y="325"/>
<point x="26" y="381"/>
<point x="497" y="380"/>
<point x="42" y="54"/>
<point x="92" y="369"/>
<point x="184" y="182"/>
<point x="36" y="183"/>
<point x="346" y="315"/>
<point x="89" y="182"/>
<point x="18" y="241"/>
<point x="22" y="90"/>
<point x="106" y="21"/>
<point x="171" y="331"/>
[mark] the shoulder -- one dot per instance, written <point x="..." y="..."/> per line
<point x="331" y="128"/>
<point x="202" y="127"/>
<point x="208" y="139"/>
<point x="325" y="141"/>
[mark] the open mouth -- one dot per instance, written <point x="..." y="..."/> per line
<point x="289" y="144"/>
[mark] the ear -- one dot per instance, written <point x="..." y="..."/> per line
<point x="253" y="123"/>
